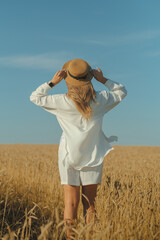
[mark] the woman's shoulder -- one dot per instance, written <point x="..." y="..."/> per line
<point x="59" y="99"/>
<point x="59" y="95"/>
<point x="63" y="101"/>
<point x="100" y="95"/>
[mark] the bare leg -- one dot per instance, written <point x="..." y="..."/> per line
<point x="90" y="192"/>
<point x="71" y="201"/>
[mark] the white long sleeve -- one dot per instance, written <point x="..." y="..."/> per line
<point x="84" y="144"/>
<point x="47" y="102"/>
<point x="117" y="92"/>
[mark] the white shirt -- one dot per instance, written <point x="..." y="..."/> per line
<point x="83" y="144"/>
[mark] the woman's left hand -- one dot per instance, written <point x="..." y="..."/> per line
<point x="58" y="76"/>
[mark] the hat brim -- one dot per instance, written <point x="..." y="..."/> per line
<point x="77" y="82"/>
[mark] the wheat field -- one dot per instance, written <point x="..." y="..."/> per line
<point x="32" y="204"/>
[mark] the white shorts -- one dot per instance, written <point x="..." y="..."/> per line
<point x="80" y="177"/>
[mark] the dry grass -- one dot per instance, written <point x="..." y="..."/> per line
<point x="31" y="196"/>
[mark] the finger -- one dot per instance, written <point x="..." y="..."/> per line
<point x="94" y="70"/>
<point x="57" y="72"/>
<point x="62" y="73"/>
<point x="99" y="69"/>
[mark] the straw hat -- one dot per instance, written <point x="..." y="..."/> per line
<point x="78" y="72"/>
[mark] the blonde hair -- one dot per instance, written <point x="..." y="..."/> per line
<point x="82" y="96"/>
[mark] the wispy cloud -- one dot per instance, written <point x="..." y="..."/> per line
<point x="50" y="61"/>
<point x="112" y="39"/>
<point x="129" y="38"/>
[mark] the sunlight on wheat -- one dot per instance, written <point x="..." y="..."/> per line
<point x="32" y="202"/>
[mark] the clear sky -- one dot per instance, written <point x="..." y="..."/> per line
<point x="121" y="37"/>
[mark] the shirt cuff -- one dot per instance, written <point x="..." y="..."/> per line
<point x="108" y="83"/>
<point x="47" y="87"/>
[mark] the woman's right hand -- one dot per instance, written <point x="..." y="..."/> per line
<point x="98" y="75"/>
<point x="58" y="76"/>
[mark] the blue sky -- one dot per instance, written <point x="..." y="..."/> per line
<point x="120" y="37"/>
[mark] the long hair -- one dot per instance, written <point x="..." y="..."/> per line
<point x="82" y="96"/>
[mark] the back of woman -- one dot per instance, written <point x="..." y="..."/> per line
<point x="83" y="145"/>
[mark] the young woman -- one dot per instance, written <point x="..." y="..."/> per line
<point x="83" y="144"/>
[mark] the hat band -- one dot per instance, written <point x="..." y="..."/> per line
<point x="84" y="77"/>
